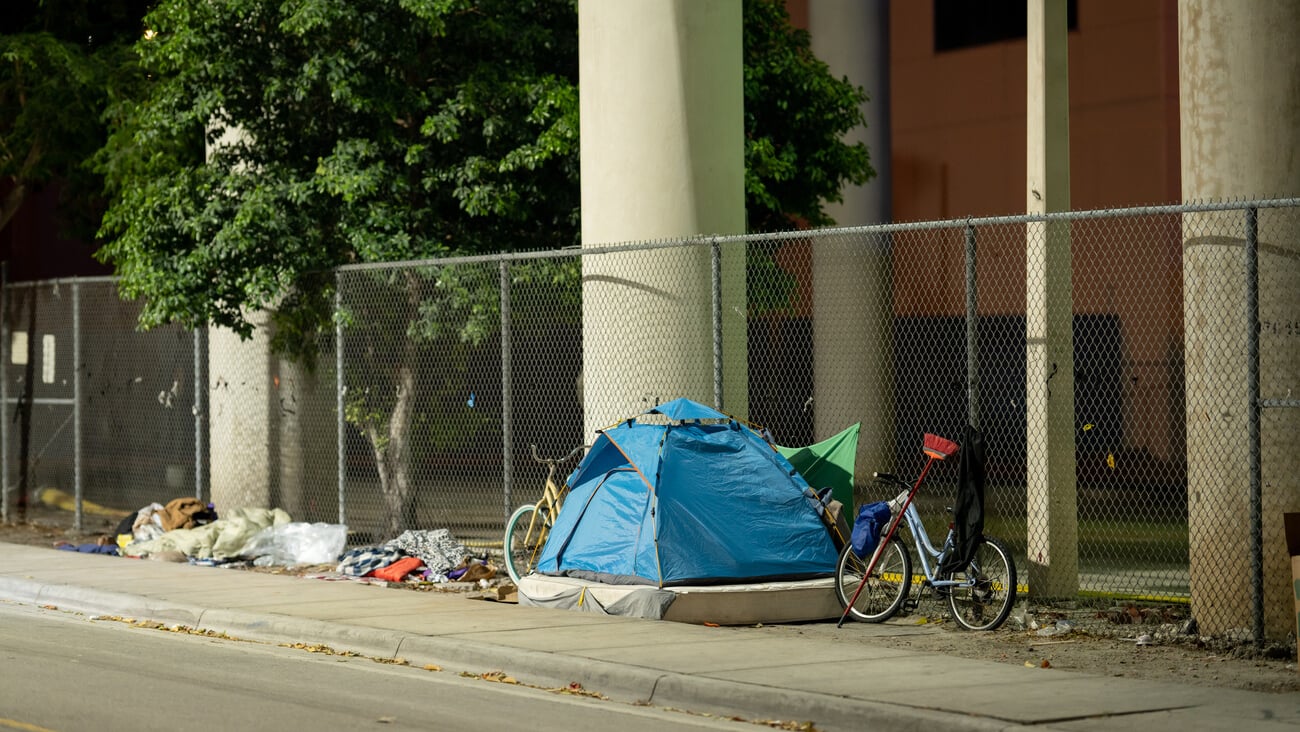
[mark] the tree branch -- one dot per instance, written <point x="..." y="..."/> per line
<point x="12" y="203"/>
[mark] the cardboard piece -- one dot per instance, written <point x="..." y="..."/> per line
<point x="1291" y="521"/>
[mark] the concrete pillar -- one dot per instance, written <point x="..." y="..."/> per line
<point x="852" y="284"/>
<point x="1053" y="543"/>
<point x="661" y="106"/>
<point x="243" y="445"/>
<point x="1239" y="84"/>
<point x="270" y="428"/>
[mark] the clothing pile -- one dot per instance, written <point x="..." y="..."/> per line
<point x="426" y="556"/>
<point x="155" y="519"/>
<point x="244" y="535"/>
<point x="147" y="524"/>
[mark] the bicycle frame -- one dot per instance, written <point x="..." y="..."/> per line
<point x="541" y="515"/>
<point x="926" y="550"/>
<point x="936" y="448"/>
<point x="551" y="500"/>
<point x="552" y="495"/>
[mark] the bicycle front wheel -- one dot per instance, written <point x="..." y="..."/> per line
<point x="525" y="534"/>
<point x="881" y="594"/>
<point x="988" y="590"/>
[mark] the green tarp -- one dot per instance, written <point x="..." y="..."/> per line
<point x="829" y="464"/>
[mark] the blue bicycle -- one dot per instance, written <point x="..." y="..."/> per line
<point x="873" y="589"/>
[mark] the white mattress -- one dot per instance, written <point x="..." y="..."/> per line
<point x="769" y="602"/>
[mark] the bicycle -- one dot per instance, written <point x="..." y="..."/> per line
<point x="531" y="523"/>
<point x="980" y="595"/>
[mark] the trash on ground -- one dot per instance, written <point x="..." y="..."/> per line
<point x="1061" y="627"/>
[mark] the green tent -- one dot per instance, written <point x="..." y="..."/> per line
<point x="829" y="464"/>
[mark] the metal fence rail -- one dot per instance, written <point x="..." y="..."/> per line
<point x="1133" y="371"/>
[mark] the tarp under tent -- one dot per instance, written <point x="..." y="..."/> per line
<point x="829" y="464"/>
<point x="684" y="495"/>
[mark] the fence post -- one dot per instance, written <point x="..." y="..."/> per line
<point x="972" y="333"/>
<point x="507" y="392"/>
<point x="78" y="487"/>
<point x="4" y="392"/>
<point x="200" y="412"/>
<point x="716" y="274"/>
<point x="340" y="390"/>
<point x="1252" y="423"/>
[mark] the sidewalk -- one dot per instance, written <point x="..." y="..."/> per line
<point x="725" y="671"/>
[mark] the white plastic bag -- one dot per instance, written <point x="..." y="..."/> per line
<point x="297" y="543"/>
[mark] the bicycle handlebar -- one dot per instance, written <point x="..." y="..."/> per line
<point x="555" y="461"/>
<point x="890" y="478"/>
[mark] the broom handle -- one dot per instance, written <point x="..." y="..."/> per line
<point x="880" y="547"/>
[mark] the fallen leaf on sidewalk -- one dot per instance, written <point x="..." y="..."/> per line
<point x="497" y="676"/>
<point x="575" y="689"/>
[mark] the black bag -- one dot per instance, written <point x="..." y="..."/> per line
<point x="968" y="513"/>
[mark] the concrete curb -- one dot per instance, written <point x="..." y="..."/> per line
<point x="270" y="628"/>
<point x="100" y="602"/>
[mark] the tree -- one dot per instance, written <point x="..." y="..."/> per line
<point x="281" y="139"/>
<point x="796" y="116"/>
<point x="61" y="62"/>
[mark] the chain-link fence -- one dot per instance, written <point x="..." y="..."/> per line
<point x="1131" y="372"/>
<point x="97" y="415"/>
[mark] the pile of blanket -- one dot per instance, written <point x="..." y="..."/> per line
<point x="265" y="536"/>
<point x="429" y="556"/>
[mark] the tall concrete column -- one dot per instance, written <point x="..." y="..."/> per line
<point x="266" y="450"/>
<point x="1239" y="86"/>
<point x="661" y="104"/>
<point x="243" y="442"/>
<point x="852" y="283"/>
<point x="1053" y="543"/>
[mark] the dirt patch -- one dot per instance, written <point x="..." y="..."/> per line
<point x="1089" y="642"/>
<point x="1154" y="643"/>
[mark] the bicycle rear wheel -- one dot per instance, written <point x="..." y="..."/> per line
<point x="886" y="588"/>
<point x="525" y="534"/>
<point x="984" y="600"/>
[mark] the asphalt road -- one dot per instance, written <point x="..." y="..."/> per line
<point x="62" y="671"/>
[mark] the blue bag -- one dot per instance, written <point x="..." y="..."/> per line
<point x="872" y="519"/>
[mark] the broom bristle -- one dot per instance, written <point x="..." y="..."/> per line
<point x="939" y="447"/>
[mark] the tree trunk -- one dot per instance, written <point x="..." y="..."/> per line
<point x="393" y="452"/>
<point x="12" y="203"/>
<point x="391" y="439"/>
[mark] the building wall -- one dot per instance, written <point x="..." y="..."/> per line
<point x="958" y="149"/>
<point x="959" y="116"/>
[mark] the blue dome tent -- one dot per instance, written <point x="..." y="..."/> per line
<point x="686" y="495"/>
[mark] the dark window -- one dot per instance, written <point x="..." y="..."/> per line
<point x="965" y="23"/>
